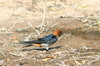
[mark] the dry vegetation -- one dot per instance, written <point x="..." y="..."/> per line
<point x="22" y="20"/>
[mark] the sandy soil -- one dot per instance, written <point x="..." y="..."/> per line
<point x="75" y="47"/>
<point x="78" y="46"/>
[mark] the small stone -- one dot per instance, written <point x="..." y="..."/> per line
<point x="1" y="62"/>
<point x="8" y="59"/>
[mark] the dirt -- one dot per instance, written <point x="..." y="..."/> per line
<point x="75" y="47"/>
<point x="79" y="44"/>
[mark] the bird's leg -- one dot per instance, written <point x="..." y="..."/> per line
<point x="47" y="48"/>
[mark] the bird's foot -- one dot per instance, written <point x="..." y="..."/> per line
<point x="47" y="48"/>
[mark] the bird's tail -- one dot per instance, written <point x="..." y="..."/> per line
<point x="31" y="42"/>
<point x="27" y="42"/>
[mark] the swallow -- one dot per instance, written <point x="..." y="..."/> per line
<point x="45" y="41"/>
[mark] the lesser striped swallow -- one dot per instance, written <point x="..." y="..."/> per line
<point x="45" y="41"/>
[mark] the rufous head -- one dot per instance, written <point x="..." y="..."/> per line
<point x="57" y="32"/>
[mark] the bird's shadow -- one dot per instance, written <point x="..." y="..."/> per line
<point x="42" y="49"/>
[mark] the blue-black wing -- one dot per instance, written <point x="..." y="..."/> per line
<point x="46" y="38"/>
<point x="50" y="39"/>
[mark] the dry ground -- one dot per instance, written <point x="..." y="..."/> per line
<point x="78" y="46"/>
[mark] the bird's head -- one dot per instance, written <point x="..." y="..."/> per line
<point x="57" y="32"/>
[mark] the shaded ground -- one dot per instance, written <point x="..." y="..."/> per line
<point x="79" y="45"/>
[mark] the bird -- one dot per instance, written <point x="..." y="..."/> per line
<point x="45" y="41"/>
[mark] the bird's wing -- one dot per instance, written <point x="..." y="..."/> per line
<point x="51" y="41"/>
<point x="46" y="37"/>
